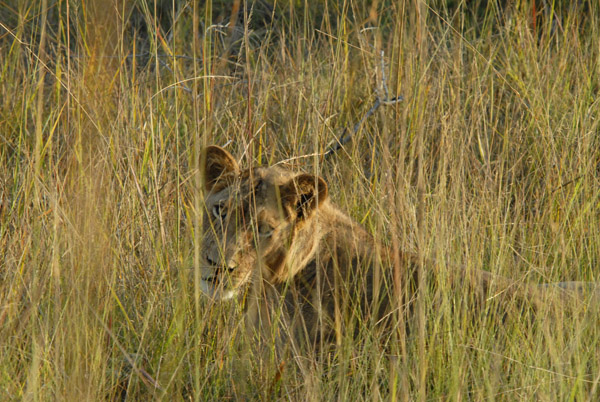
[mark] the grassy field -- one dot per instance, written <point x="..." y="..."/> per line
<point x="491" y="161"/>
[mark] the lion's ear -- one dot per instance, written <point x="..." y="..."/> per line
<point x="303" y="195"/>
<point x="218" y="167"/>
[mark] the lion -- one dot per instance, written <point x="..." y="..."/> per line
<point x="273" y="237"/>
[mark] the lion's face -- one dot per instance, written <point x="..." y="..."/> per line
<point x="250" y="219"/>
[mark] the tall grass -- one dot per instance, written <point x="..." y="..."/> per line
<point x="490" y="162"/>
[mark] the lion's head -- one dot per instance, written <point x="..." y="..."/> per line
<point x="251" y="221"/>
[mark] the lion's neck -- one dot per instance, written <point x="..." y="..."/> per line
<point x="328" y="230"/>
<point x="306" y="243"/>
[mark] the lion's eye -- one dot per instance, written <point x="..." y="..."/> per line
<point x="265" y="230"/>
<point x="219" y="211"/>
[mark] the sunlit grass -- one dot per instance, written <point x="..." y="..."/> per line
<point x="99" y="190"/>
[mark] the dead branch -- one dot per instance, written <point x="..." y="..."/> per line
<point x="379" y="100"/>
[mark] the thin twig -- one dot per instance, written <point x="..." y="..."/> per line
<point x="380" y="100"/>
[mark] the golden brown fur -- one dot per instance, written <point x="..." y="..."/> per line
<point x="273" y="236"/>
